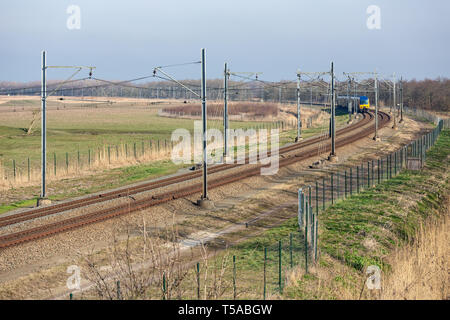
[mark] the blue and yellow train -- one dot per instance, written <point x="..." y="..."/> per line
<point x="364" y="104"/>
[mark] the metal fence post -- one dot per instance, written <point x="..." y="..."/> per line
<point x="265" y="263"/>
<point x="368" y="174"/>
<point x="28" y="168"/>
<point x="345" y="184"/>
<point x="395" y="163"/>
<point x="309" y="195"/>
<point x="323" y="194"/>
<point x="119" y="296"/>
<point x="313" y="235"/>
<point x="332" y="191"/>
<point x="198" y="280"/>
<point x="279" y="266"/>
<point x="234" y="277"/>
<point x="357" y="179"/>
<point x="301" y="207"/>
<point x="317" y="237"/>
<point x="351" y="182"/>
<point x="372" y="174"/>
<point x="306" y="242"/>
<point x="164" y="286"/>
<point x="317" y="197"/>
<point x="54" y="163"/>
<point x="378" y="169"/>
<point x="338" y="186"/>
<point x="290" y="249"/>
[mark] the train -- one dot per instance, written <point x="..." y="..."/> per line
<point x="364" y="104"/>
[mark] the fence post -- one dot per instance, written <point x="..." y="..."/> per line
<point x="338" y="186"/>
<point x="332" y="189"/>
<point x="368" y="174"/>
<point x="198" y="280"/>
<point x="317" y="197"/>
<point x="351" y="182"/>
<point x="78" y="159"/>
<point x="290" y="249"/>
<point x="134" y="148"/>
<point x="345" y="184"/>
<point x="28" y="168"/>
<point x="357" y="179"/>
<point x="89" y="157"/>
<point x="14" y="169"/>
<point x="67" y="162"/>
<point x="109" y="154"/>
<point x="395" y="163"/>
<point x="317" y="237"/>
<point x="300" y="207"/>
<point x="323" y="194"/>
<point x="164" y="286"/>
<point x="313" y="237"/>
<point x="387" y="167"/>
<point x="119" y="296"/>
<point x="306" y="242"/>
<point x="309" y="194"/>
<point x="234" y="277"/>
<point x="378" y="168"/>
<point x="265" y="263"/>
<point x="372" y="174"/>
<point x="279" y="266"/>
<point x="54" y="162"/>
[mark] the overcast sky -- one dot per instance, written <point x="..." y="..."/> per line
<point x="126" y="39"/>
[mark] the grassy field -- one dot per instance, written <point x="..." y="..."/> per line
<point x="75" y="129"/>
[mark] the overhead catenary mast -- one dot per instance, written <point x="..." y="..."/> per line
<point x="333" y="156"/>
<point x="299" y="120"/>
<point x="43" y="200"/>
<point x="225" y="112"/>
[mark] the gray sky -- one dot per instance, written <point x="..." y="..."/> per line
<point x="126" y="39"/>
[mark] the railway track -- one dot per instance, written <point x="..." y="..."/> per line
<point x="162" y="197"/>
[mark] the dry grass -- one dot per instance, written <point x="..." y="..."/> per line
<point x="106" y="157"/>
<point x="253" y="110"/>
<point x="420" y="269"/>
